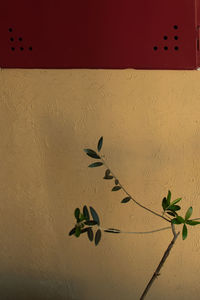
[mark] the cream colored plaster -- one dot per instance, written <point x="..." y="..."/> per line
<point x="150" y="121"/>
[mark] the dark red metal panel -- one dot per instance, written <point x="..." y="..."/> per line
<point x="148" y="34"/>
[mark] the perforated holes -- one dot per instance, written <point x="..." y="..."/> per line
<point x="169" y="39"/>
<point x="17" y="42"/>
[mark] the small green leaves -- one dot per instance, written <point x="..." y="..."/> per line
<point x="94" y="215"/>
<point x="97" y="237"/>
<point x="116" y="188"/>
<point x="95" y="164"/>
<point x="90" y="233"/>
<point x="192" y="223"/>
<point x="83" y="219"/>
<point x="168" y="207"/>
<point x="176" y="201"/>
<point x="169" y="197"/>
<point x="72" y="231"/>
<point x="184" y="232"/>
<point x="125" y="200"/>
<point x="92" y="153"/>
<point x="164" y="203"/>
<point x="173" y="207"/>
<point x="188" y="213"/>
<point x="116" y="181"/>
<point x="112" y="230"/>
<point x="172" y="213"/>
<point x="107" y="175"/>
<point x="86" y="212"/>
<point x="90" y="222"/>
<point x="178" y="220"/>
<point x="100" y="143"/>
<point x="77" y="231"/>
<point x="77" y="214"/>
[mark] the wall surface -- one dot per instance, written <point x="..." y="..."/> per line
<point x="150" y="121"/>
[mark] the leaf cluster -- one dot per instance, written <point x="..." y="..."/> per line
<point x="108" y="175"/>
<point x="171" y="209"/>
<point x="85" y="224"/>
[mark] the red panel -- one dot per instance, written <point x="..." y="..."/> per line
<point x="148" y="34"/>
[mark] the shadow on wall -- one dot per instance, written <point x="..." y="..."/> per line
<point x="18" y="287"/>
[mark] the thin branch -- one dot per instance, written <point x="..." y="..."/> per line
<point x="157" y="271"/>
<point x="134" y="232"/>
<point x="153" y="212"/>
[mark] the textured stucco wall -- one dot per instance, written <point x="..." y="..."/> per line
<point x="150" y="121"/>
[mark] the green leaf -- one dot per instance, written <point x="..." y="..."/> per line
<point x="94" y="215"/>
<point x="95" y="164"/>
<point x="176" y="201"/>
<point x="78" y="231"/>
<point x="178" y="220"/>
<point x="173" y="214"/>
<point x="116" y="181"/>
<point x="108" y="177"/>
<point x="125" y="200"/>
<point x="91" y="153"/>
<point x="116" y="188"/>
<point x="188" y="213"/>
<point x="90" y="222"/>
<point x="72" y="231"/>
<point x="86" y="212"/>
<point x="112" y="230"/>
<point x="192" y="223"/>
<point x="168" y="198"/>
<point x="107" y="172"/>
<point x="90" y="234"/>
<point x="97" y="237"/>
<point x="77" y="214"/>
<point x="164" y="203"/>
<point x="82" y="217"/>
<point x="184" y="232"/>
<point x="173" y="207"/>
<point x="100" y="143"/>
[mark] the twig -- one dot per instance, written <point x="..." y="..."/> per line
<point x="157" y="271"/>
<point x="134" y="232"/>
<point x="153" y="212"/>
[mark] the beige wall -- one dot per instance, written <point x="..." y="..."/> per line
<point x="150" y="121"/>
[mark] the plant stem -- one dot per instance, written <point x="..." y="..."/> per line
<point x="153" y="212"/>
<point x="156" y="273"/>
<point x="134" y="232"/>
